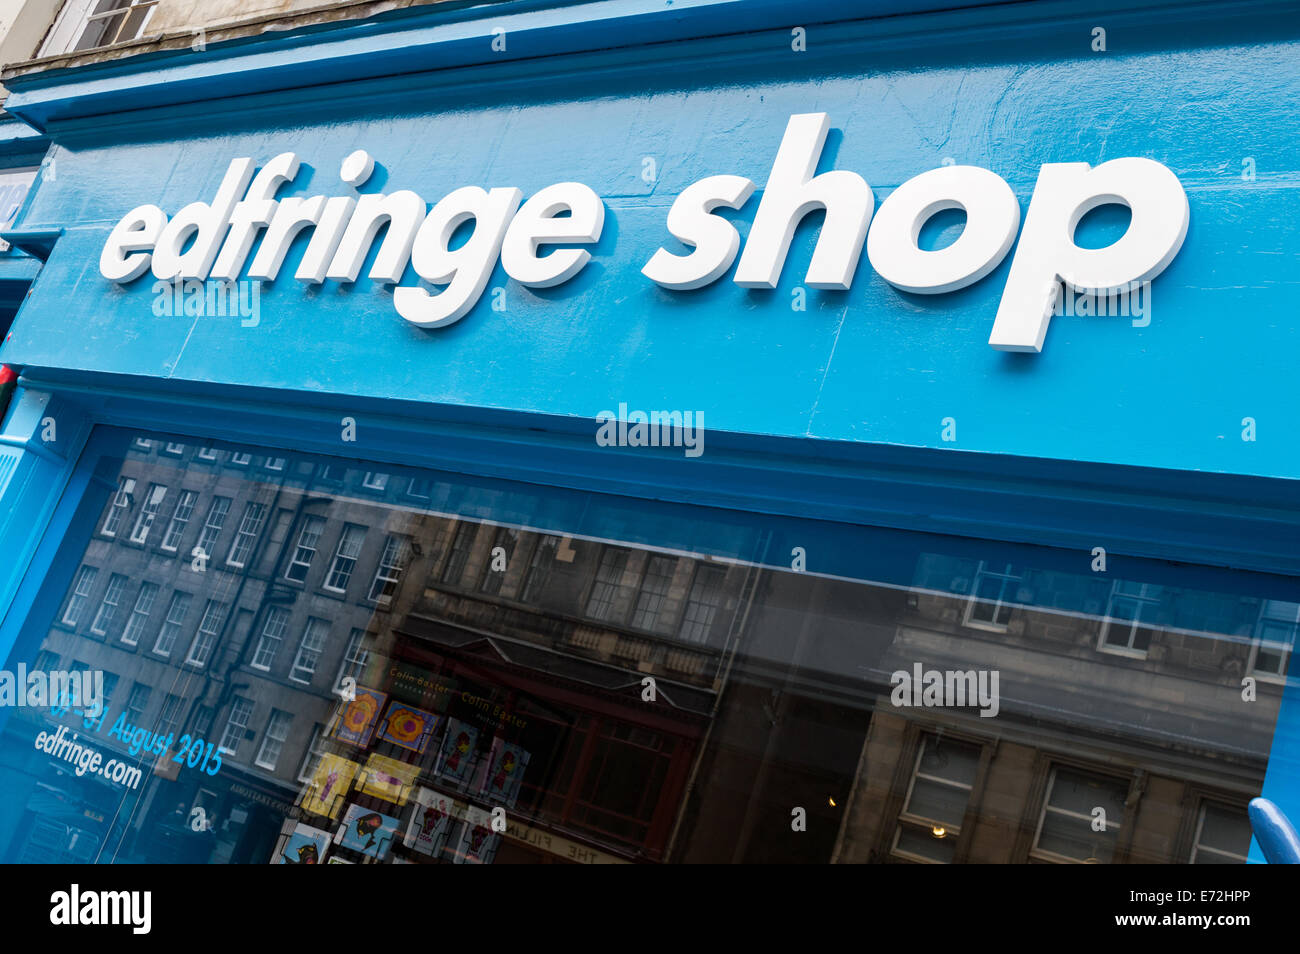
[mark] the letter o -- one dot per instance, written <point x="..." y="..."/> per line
<point x="992" y="221"/>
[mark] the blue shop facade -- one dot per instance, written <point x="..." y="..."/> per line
<point x="657" y="432"/>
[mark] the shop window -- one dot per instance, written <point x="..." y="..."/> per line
<point x="345" y="558"/>
<point x="144" y="521"/>
<point x="80" y="594"/>
<point x="1222" y="835"/>
<point x="702" y="604"/>
<point x="268" y="644"/>
<point x="355" y="658"/>
<point x="539" y="567"/>
<point x="213" y="525"/>
<point x="277" y="731"/>
<point x="1070" y="828"/>
<point x="139" y="618"/>
<point x="388" y="574"/>
<point x="1126" y="628"/>
<point x="938" y="793"/>
<point x="108" y="605"/>
<point x="180" y="518"/>
<point x="1275" y="635"/>
<point x="503" y="540"/>
<point x="461" y="543"/>
<point x="993" y="595"/>
<point x="608" y="589"/>
<point x="246" y="536"/>
<point x="649" y="613"/>
<point x="120" y="507"/>
<point x="177" y="610"/>
<point x="241" y="710"/>
<point x="312" y="645"/>
<point x="304" y="552"/>
<point x="90" y="24"/>
<point x="214" y="617"/>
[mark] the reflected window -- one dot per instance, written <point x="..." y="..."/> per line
<point x="177" y="610"/>
<point x="1076" y="806"/>
<point x="108" y="604"/>
<point x="121" y="506"/>
<point x="309" y="650"/>
<point x="345" y="558"/>
<point x="305" y="549"/>
<point x="213" y="525"/>
<point x="268" y="644"/>
<point x="498" y="561"/>
<point x="702" y="604"/>
<point x="607" y="591"/>
<point x="1126" y="628"/>
<point x="180" y="518"/>
<point x="461" y="543"/>
<point x="1275" y="636"/>
<point x="355" y="658"/>
<point x="236" y="725"/>
<point x="144" y="522"/>
<point x="210" y="623"/>
<point x="1222" y="835"/>
<point x="80" y="594"/>
<point x="139" y="618"/>
<point x="943" y="778"/>
<point x="277" y="732"/>
<point x="392" y="564"/>
<point x="539" y="567"/>
<point x="650" y="612"/>
<point x="246" y="536"/>
<point x="993" y="596"/>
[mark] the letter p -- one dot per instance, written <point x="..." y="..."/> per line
<point x="1046" y="255"/>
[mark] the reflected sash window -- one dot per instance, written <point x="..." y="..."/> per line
<point x="608" y="587"/>
<point x="309" y="650"/>
<point x="1275" y="635"/>
<point x="277" y="731"/>
<point x="938" y="793"/>
<point x="993" y="595"/>
<point x="214" y="617"/>
<point x="268" y="644"/>
<point x="388" y="574"/>
<point x="1066" y="830"/>
<point x="177" y="610"/>
<point x="246" y="536"/>
<point x="1222" y="835"/>
<point x="139" y="619"/>
<point x="1126" y="628"/>
<point x="345" y="558"/>
<point x="144" y="521"/>
<point x="213" y="524"/>
<point x="80" y="594"/>
<point x="180" y="518"/>
<point x="305" y="550"/>
<point x="355" y="658"/>
<point x="650" y="611"/>
<point x="236" y="725"/>
<point x="702" y="604"/>
<point x="108" y="605"/>
<point x="121" y="506"/>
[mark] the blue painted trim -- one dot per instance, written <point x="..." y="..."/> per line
<point x="445" y="36"/>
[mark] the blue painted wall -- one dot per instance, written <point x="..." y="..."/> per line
<point x="869" y="365"/>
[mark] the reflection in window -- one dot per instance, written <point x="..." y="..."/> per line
<point x="108" y="605"/>
<point x="1275" y="636"/>
<point x="120" y="507"/>
<point x="702" y="604"/>
<point x="212" y="526"/>
<point x="137" y="702"/>
<point x="80" y="593"/>
<point x="388" y="574"/>
<point x="180" y="517"/>
<point x="246" y="535"/>
<point x="309" y="650"/>
<point x="649" y="612"/>
<point x="1125" y="628"/>
<point x="311" y="757"/>
<point x="993" y="596"/>
<point x="268" y="644"/>
<point x="139" y="618"/>
<point x="277" y="731"/>
<point x="943" y="777"/>
<point x="1066" y="826"/>
<point x="459" y="556"/>
<point x="214" y="617"/>
<point x="494" y="568"/>
<point x="539" y="568"/>
<point x="144" y="522"/>
<point x="177" y="610"/>
<point x="355" y="658"/>
<point x="305" y="550"/>
<point x="345" y="558"/>
<point x="1222" y="835"/>
<point x="608" y="587"/>
<point x="240" y="712"/>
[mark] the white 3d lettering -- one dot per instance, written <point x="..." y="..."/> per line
<point x="218" y="238"/>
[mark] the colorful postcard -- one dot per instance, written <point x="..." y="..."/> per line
<point x="306" y="846"/>
<point x="367" y="831"/>
<point x="388" y="778"/>
<point x="431" y="822"/>
<point x="456" y="757"/>
<point x="329" y="785"/>
<point x="357" y="721"/>
<point x="478" y="843"/>
<point x="505" y="772"/>
<point x="409" y="727"/>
